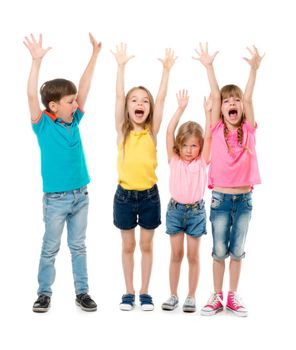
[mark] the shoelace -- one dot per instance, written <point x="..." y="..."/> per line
<point x="85" y="297"/>
<point x="214" y="300"/>
<point x="236" y="300"/>
<point x="172" y="300"/>
<point x="190" y="301"/>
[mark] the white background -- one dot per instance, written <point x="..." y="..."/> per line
<point x="148" y="27"/>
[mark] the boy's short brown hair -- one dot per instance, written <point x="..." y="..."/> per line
<point x="55" y="90"/>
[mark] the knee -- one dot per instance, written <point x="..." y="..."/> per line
<point x="146" y="247"/>
<point x="220" y="251"/>
<point x="177" y="256"/>
<point x="193" y="259"/>
<point x="128" y="247"/>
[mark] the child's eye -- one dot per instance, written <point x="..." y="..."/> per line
<point x="225" y="101"/>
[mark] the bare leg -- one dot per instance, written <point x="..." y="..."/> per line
<point x="146" y="246"/>
<point x="128" y="248"/>
<point x="234" y="274"/>
<point x="193" y="261"/>
<point x="177" y="253"/>
<point x="218" y="273"/>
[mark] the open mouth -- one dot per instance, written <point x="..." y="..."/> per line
<point x="139" y="113"/>
<point x="232" y="113"/>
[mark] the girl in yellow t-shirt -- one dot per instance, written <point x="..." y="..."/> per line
<point x="136" y="201"/>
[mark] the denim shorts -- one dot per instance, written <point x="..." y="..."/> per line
<point x="230" y="216"/>
<point x="132" y="208"/>
<point x="187" y="218"/>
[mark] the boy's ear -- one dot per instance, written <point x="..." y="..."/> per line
<point x="53" y="106"/>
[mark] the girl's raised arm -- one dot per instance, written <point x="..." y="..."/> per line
<point x="254" y="63"/>
<point x="121" y="58"/>
<point x="168" y="62"/>
<point x="182" y="97"/>
<point x="206" y="151"/>
<point x="207" y="61"/>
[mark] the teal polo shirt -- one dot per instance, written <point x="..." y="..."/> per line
<point x="63" y="165"/>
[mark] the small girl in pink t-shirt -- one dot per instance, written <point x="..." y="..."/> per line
<point x="188" y="156"/>
<point x="233" y="173"/>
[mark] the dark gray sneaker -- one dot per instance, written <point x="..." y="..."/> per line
<point x="42" y="304"/>
<point x="170" y="304"/>
<point x="85" y="302"/>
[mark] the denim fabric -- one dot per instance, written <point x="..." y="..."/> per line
<point x="187" y="218"/>
<point x="230" y="216"/>
<point x="60" y="208"/>
<point x="132" y="208"/>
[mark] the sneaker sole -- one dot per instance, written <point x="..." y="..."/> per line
<point x="126" y="307"/>
<point x="238" y="313"/>
<point x="147" y="307"/>
<point x="40" y="310"/>
<point x="169" y="307"/>
<point x="85" y="308"/>
<point x="211" y="313"/>
<point x="189" y="309"/>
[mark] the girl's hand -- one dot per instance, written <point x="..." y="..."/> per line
<point x="120" y="54"/>
<point x="182" y="97"/>
<point x="96" y="46"/>
<point x="35" y="48"/>
<point x="208" y="104"/>
<point x="169" y="59"/>
<point x="204" y="57"/>
<point x="255" y="60"/>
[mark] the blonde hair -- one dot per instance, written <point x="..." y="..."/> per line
<point x="127" y="124"/>
<point x="233" y="91"/>
<point x="185" y="131"/>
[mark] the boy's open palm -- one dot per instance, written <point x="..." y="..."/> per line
<point x="35" y="48"/>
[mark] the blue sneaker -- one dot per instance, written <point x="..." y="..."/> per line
<point x="127" y="302"/>
<point x="146" y="302"/>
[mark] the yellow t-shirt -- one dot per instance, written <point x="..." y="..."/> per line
<point x="136" y="164"/>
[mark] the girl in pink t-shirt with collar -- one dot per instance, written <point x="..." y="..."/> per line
<point x="233" y="173"/>
<point x="188" y="156"/>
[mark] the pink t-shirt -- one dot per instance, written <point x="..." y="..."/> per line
<point x="187" y="180"/>
<point x="237" y="167"/>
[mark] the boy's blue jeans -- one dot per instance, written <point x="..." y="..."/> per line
<point x="60" y="207"/>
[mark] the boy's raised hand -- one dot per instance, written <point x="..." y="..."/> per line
<point x="169" y="59"/>
<point x="120" y="54"/>
<point x="35" y="48"/>
<point x="204" y="57"/>
<point x="96" y="46"/>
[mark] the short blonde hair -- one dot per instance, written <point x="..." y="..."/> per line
<point x="185" y="131"/>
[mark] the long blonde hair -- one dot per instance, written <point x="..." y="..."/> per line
<point x="185" y="131"/>
<point x="127" y="124"/>
<point x="233" y="91"/>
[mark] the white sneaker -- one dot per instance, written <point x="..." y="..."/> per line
<point x="189" y="305"/>
<point x="171" y="304"/>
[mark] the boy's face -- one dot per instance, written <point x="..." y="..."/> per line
<point x="65" y="108"/>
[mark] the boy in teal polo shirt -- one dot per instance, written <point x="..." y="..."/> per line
<point x="64" y="172"/>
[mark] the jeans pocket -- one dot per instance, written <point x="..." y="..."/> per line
<point x="215" y="203"/>
<point x="54" y="195"/>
